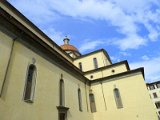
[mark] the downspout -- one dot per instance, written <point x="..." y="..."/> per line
<point x="9" y="62"/>
<point x="86" y="95"/>
<point x="103" y="96"/>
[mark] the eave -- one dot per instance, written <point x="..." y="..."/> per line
<point x="119" y="75"/>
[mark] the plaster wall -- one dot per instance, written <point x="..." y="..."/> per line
<point x="106" y="72"/>
<point x="137" y="104"/>
<point x="46" y="97"/>
<point x="87" y="61"/>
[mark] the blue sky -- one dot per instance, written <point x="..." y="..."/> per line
<point x="126" y="29"/>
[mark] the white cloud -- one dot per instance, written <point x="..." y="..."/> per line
<point x="125" y="53"/>
<point x="151" y="22"/>
<point x="36" y="10"/>
<point x="130" y="42"/>
<point x="151" y="68"/>
<point x="94" y="9"/>
<point x="134" y="5"/>
<point x="120" y="14"/>
<point x="145" y="57"/>
<point x="125" y="15"/>
<point x="89" y="45"/>
<point x="115" y="59"/>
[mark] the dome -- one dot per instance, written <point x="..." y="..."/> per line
<point x="67" y="47"/>
<point x="70" y="49"/>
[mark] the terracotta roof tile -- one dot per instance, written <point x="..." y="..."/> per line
<point x="67" y="47"/>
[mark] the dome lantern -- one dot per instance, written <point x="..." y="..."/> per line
<point x="66" y="40"/>
<point x="70" y="49"/>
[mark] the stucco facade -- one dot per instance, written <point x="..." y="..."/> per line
<point x="133" y="105"/>
<point x="87" y="60"/>
<point x="154" y="92"/>
<point x="22" y="44"/>
<point x="108" y="70"/>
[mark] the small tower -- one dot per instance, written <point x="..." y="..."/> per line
<point x="70" y="49"/>
<point x="66" y="40"/>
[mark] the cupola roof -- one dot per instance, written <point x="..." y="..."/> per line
<point x="67" y="46"/>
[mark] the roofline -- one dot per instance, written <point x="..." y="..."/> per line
<point x="19" y="14"/>
<point x="96" y="51"/>
<point x="119" y="75"/>
<point x="109" y="66"/>
<point x="153" y="83"/>
<point x="38" y="40"/>
<point x="106" y="53"/>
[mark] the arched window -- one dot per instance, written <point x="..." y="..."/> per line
<point x="117" y="97"/>
<point x="80" y="65"/>
<point x="92" y="102"/>
<point x="80" y="99"/>
<point x="30" y="84"/>
<point x="95" y="63"/>
<point x="61" y="93"/>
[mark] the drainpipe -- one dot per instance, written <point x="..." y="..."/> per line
<point x="8" y="64"/>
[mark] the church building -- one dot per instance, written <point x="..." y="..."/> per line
<point x="40" y="80"/>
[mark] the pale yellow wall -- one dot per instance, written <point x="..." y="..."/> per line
<point x="87" y="61"/>
<point x="46" y="90"/>
<point x="96" y="75"/>
<point x="137" y="104"/>
<point x="5" y="50"/>
<point x="107" y="72"/>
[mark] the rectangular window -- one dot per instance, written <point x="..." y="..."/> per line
<point x="95" y="63"/>
<point x="155" y="95"/>
<point x="157" y="104"/>
<point x="158" y="85"/>
<point x="80" y="66"/>
<point x="151" y="87"/>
